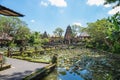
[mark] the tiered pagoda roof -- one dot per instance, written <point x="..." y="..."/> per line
<point x="45" y="35"/>
<point x="68" y="34"/>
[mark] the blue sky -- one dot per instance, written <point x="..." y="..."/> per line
<point x="47" y="15"/>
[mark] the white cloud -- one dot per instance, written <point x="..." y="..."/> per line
<point x="95" y="2"/>
<point x="32" y="21"/>
<point x="115" y="10"/>
<point x="101" y="3"/>
<point x="44" y="3"/>
<point x="77" y="23"/>
<point x="107" y="5"/>
<point x="58" y="3"/>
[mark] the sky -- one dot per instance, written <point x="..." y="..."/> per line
<point x="47" y="15"/>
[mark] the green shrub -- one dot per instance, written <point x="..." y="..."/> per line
<point x="18" y="57"/>
<point x="28" y="58"/>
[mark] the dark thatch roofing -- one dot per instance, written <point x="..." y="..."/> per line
<point x="5" y="37"/>
<point x="8" y="12"/>
<point x="84" y="34"/>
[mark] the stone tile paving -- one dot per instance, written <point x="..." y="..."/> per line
<point x="19" y="69"/>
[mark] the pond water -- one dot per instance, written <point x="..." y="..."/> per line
<point x="65" y="75"/>
<point x="85" y="64"/>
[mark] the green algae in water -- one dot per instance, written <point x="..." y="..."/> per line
<point x="51" y="76"/>
<point x="100" y="66"/>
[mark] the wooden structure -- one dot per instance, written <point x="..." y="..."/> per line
<point x="83" y="35"/>
<point x="8" y="12"/>
<point x="3" y="65"/>
<point x="68" y="35"/>
<point x="4" y="39"/>
<point x="5" y="36"/>
<point x="56" y="40"/>
<point x="1" y="59"/>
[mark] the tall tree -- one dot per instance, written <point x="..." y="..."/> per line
<point x="58" y="32"/>
<point x="98" y="31"/>
<point x="35" y="38"/>
<point x="22" y="33"/>
<point x="14" y="27"/>
<point x="114" y="33"/>
<point x="76" y="29"/>
<point x="10" y="25"/>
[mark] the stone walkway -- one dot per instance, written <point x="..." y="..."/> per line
<point x="19" y="69"/>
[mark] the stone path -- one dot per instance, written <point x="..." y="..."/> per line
<point x="19" y="69"/>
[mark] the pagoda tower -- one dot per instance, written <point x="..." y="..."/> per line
<point x="45" y="35"/>
<point x="68" y="35"/>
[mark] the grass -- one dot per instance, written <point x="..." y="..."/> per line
<point x="5" y="66"/>
<point x="31" y="59"/>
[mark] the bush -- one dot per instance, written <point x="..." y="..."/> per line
<point x="18" y="57"/>
<point x="28" y="58"/>
<point x="29" y="53"/>
<point x="4" y="59"/>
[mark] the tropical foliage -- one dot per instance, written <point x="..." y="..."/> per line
<point x="76" y="29"/>
<point x="113" y="1"/>
<point x="105" y="33"/>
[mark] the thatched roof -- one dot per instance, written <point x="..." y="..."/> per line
<point x="5" y="37"/>
<point x="8" y="12"/>
<point x="84" y="34"/>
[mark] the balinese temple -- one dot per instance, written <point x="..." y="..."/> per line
<point x="4" y="39"/>
<point x="68" y="35"/>
<point x="81" y="37"/>
<point x="84" y="35"/>
<point x="8" y="12"/>
<point x="44" y="35"/>
<point x="54" y="39"/>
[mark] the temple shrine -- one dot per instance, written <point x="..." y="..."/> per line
<point x="68" y="35"/>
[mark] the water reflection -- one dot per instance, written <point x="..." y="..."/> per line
<point x="64" y="74"/>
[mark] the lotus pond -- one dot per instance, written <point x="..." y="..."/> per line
<point x="85" y="64"/>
